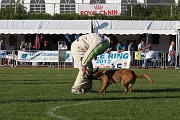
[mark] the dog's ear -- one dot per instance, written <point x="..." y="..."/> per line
<point x="100" y="74"/>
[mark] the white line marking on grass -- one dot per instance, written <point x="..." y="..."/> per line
<point x="51" y="111"/>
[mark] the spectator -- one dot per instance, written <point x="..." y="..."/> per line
<point x="171" y="57"/>
<point x="63" y="45"/>
<point x="120" y="47"/>
<point x="131" y="49"/>
<point x="150" y="56"/>
<point x="114" y="42"/>
<point x="2" y="47"/>
<point x="130" y="46"/>
<point x="141" y="47"/>
<point x="83" y="50"/>
<point x="46" y="46"/>
<point x="23" y="45"/>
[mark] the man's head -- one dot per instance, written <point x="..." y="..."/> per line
<point x="149" y="46"/>
<point x="131" y="42"/>
<point x="143" y="40"/>
<point x="120" y="43"/>
<point x="2" y="39"/>
<point x="113" y="40"/>
<point x="172" y="43"/>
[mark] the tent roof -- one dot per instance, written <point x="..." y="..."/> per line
<point x="134" y="27"/>
<point x="45" y="26"/>
<point x="84" y="26"/>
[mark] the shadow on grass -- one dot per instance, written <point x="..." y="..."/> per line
<point x="151" y="91"/>
<point x="30" y="82"/>
<point x="89" y="99"/>
<point x="85" y="98"/>
<point x="160" y="90"/>
<point x="33" y="73"/>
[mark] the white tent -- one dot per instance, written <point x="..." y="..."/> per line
<point x="135" y="27"/>
<point x="84" y="26"/>
<point x="45" y="26"/>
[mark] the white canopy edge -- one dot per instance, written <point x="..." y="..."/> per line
<point x="126" y="27"/>
<point x="45" y="26"/>
<point x="135" y="27"/>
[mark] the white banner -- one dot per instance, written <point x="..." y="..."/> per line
<point x="113" y="60"/>
<point x="105" y="9"/>
<point x="2" y="53"/>
<point x="42" y="56"/>
<point x="141" y="55"/>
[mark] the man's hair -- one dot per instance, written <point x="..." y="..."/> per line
<point x="143" y="39"/>
<point x="3" y="38"/>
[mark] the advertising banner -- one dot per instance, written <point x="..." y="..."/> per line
<point x="42" y="56"/>
<point x="141" y="55"/>
<point x="105" y="9"/>
<point x="113" y="60"/>
<point x="2" y="53"/>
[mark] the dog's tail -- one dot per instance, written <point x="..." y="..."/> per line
<point x="144" y="76"/>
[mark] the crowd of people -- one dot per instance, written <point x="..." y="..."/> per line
<point x="118" y="46"/>
<point x="87" y="47"/>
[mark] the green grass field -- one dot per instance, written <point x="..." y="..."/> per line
<point x="44" y="94"/>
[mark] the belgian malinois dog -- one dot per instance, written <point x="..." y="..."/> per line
<point x="125" y="76"/>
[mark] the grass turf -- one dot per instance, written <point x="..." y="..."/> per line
<point x="44" y="94"/>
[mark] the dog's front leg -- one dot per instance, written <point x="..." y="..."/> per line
<point x="105" y="85"/>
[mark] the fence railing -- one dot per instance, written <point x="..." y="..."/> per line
<point x="12" y="59"/>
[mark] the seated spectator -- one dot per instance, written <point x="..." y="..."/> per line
<point x="120" y="47"/>
<point x="149" y="56"/>
<point x="63" y="45"/>
<point x="46" y="46"/>
<point x="23" y="45"/>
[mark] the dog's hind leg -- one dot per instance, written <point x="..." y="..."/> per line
<point x="125" y="88"/>
<point x="130" y="88"/>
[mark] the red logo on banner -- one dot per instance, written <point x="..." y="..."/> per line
<point x="100" y="7"/>
<point x="125" y="64"/>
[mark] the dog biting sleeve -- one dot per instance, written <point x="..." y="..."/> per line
<point x="94" y="51"/>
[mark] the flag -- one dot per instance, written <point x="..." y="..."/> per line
<point x="67" y="37"/>
<point x="37" y="42"/>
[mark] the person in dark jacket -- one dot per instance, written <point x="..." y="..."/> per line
<point x="2" y="47"/>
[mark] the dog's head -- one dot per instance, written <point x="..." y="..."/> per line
<point x="97" y="74"/>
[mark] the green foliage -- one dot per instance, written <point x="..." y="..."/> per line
<point x="132" y="12"/>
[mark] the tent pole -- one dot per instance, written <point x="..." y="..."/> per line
<point x="36" y="41"/>
<point x="177" y="49"/>
<point x="147" y="40"/>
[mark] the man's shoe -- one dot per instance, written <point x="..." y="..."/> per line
<point x="76" y="91"/>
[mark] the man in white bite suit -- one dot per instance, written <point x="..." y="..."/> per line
<point x="83" y="50"/>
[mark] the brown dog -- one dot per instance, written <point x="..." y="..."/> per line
<point x="125" y="76"/>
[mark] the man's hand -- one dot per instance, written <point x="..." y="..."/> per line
<point x="83" y="69"/>
<point x="108" y="50"/>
